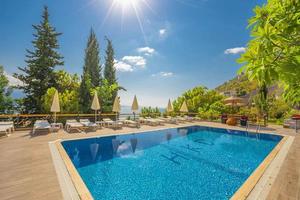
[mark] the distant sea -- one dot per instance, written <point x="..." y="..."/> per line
<point x="127" y="109"/>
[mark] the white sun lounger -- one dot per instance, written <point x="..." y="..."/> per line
<point x="169" y="120"/>
<point x="131" y="123"/>
<point x="188" y="118"/>
<point x="74" y="125"/>
<point x="159" y="121"/>
<point x="181" y="119"/>
<point x="112" y="124"/>
<point x="87" y="123"/>
<point x="9" y="124"/>
<point x="5" y="129"/>
<point x="150" y="121"/>
<point x="41" y="125"/>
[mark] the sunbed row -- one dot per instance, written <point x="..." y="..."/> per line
<point x="84" y="124"/>
<point x="7" y="127"/>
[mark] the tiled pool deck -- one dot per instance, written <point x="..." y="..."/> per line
<point x="27" y="170"/>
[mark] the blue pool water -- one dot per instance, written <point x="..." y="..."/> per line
<point x="183" y="163"/>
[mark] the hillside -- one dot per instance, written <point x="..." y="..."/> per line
<point x="240" y="86"/>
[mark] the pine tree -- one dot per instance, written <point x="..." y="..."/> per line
<point x="109" y="68"/>
<point x="92" y="60"/>
<point x="38" y="75"/>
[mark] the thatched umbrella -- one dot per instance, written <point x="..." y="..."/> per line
<point x="135" y="106"/>
<point x="170" y="107"/>
<point x="184" y="107"/>
<point x="95" y="105"/>
<point x="55" y="108"/>
<point x="116" y="106"/>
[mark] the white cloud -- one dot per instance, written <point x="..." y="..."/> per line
<point x="163" y="74"/>
<point x="130" y="63"/>
<point x="137" y="61"/>
<point x="162" y="32"/>
<point x="123" y="67"/>
<point x="235" y="50"/>
<point x="146" y="50"/>
<point x="13" y="81"/>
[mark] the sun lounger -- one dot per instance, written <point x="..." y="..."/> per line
<point x="131" y="123"/>
<point x="169" y="120"/>
<point x="5" y="129"/>
<point x="112" y="124"/>
<point x="188" y="118"/>
<point x="180" y="119"/>
<point x="9" y="124"/>
<point x="41" y="125"/>
<point x="88" y="124"/>
<point x="74" y="125"/>
<point x="197" y="118"/>
<point x="142" y="120"/>
<point x="160" y="121"/>
<point x="151" y="121"/>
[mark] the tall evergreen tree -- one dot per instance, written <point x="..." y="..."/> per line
<point x="84" y="93"/>
<point x="109" y="68"/>
<point x="91" y="76"/>
<point x="92" y="60"/>
<point x="38" y="75"/>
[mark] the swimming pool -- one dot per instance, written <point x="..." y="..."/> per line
<point x="180" y="163"/>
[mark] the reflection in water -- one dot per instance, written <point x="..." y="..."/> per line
<point x="94" y="150"/>
<point x="76" y="158"/>
<point x="183" y="131"/>
<point x="115" y="144"/>
<point x="133" y="142"/>
<point x="169" y="136"/>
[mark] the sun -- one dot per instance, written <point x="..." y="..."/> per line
<point x="127" y="9"/>
<point x="127" y="3"/>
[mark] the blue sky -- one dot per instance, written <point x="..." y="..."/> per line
<point x="163" y="47"/>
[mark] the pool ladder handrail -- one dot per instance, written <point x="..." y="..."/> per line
<point x="257" y="127"/>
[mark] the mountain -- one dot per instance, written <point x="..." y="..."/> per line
<point x="241" y="86"/>
<point x="238" y="86"/>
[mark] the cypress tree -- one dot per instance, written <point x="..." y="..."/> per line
<point x="91" y="76"/>
<point x="109" y="68"/>
<point x="84" y="93"/>
<point x="92" y="60"/>
<point x="38" y="75"/>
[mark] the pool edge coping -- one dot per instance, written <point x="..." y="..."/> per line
<point x="81" y="188"/>
<point x="245" y="189"/>
<point x="242" y="193"/>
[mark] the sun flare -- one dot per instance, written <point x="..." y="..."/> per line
<point x="128" y="8"/>
<point x="127" y="3"/>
